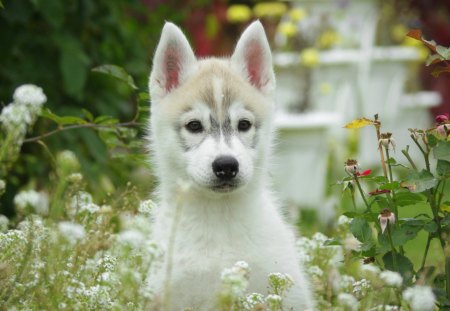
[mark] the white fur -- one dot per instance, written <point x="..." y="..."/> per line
<point x="213" y="230"/>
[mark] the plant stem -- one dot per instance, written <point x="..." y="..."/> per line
<point x="377" y="128"/>
<point x="426" y="251"/>
<point x="355" y="177"/>
<point x="391" y="180"/>
<point x="447" y="270"/>
<point x="389" y="164"/>
<point x="424" y="153"/>
<point x="394" y="251"/>
<point x="77" y="126"/>
<point x="408" y="157"/>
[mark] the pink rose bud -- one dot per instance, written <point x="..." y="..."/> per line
<point x="442" y="118"/>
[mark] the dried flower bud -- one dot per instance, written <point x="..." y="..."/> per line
<point x="386" y="139"/>
<point x="443" y="130"/>
<point x="386" y="217"/>
<point x="351" y="167"/>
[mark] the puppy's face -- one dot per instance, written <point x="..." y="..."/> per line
<point x="211" y="118"/>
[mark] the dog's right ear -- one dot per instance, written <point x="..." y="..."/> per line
<point x="173" y="62"/>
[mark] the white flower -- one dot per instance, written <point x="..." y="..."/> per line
<point x="235" y="279"/>
<point x="29" y="94"/>
<point x="343" y="220"/>
<point x="319" y="238"/>
<point x="252" y="300"/>
<point x="132" y="238"/>
<point x="371" y="269"/>
<point x="315" y="270"/>
<point x="274" y="302"/>
<point x="420" y="298"/>
<point x="16" y="118"/>
<point x="349" y="301"/>
<point x="71" y="231"/>
<point x="38" y="201"/>
<point x="68" y="160"/>
<point x="79" y="201"/>
<point x="4" y="221"/>
<point x="359" y="287"/>
<point x="146" y="207"/>
<point x="391" y="278"/>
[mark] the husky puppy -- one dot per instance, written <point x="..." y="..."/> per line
<point x="211" y="127"/>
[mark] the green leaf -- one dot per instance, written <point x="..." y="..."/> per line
<point x="407" y="198"/>
<point x="391" y="161"/>
<point x="118" y="73"/>
<point x="442" y="151"/>
<point x="405" y="266"/>
<point x="73" y="65"/>
<point x="443" y="51"/>
<point x="332" y="242"/>
<point x="432" y="140"/>
<point x="360" y="228"/>
<point x="144" y="96"/>
<point x="390" y="186"/>
<point x="88" y="115"/>
<point x="404" y="233"/>
<point x="105" y="120"/>
<point x="380" y="179"/>
<point x="66" y="120"/>
<point x="420" y="181"/>
<point x="443" y="167"/>
<point x="1" y="5"/>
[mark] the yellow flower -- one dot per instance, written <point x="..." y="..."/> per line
<point x="325" y="88"/>
<point x="288" y="29"/>
<point x="238" y="13"/>
<point x="328" y="38"/>
<point x="297" y="14"/>
<point x="309" y="57"/>
<point x="398" y="32"/>
<point x="269" y="9"/>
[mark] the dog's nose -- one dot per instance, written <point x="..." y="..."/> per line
<point x="225" y="167"/>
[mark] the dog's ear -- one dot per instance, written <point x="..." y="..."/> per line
<point x="173" y="62"/>
<point x="252" y="57"/>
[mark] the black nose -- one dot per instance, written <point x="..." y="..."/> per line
<point x="225" y="167"/>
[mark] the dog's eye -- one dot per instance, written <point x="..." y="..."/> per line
<point x="194" y="126"/>
<point x="244" y="125"/>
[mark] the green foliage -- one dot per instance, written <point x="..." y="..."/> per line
<point x="425" y="188"/>
<point x="55" y="44"/>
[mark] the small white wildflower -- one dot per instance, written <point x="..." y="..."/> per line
<point x="131" y="238"/>
<point x="91" y="208"/>
<point x="351" y="243"/>
<point x="78" y="201"/>
<point x="146" y="207"/>
<point x="235" y="279"/>
<point x="274" y="302"/>
<point x="4" y="221"/>
<point x="359" y="287"/>
<point x="16" y="118"/>
<point x="370" y="269"/>
<point x="343" y="220"/>
<point x="253" y="300"/>
<point x="342" y="282"/>
<point x="319" y="238"/>
<point x="29" y="94"/>
<point x="348" y="301"/>
<point x="38" y="201"/>
<point x="315" y="270"/>
<point x="420" y="298"/>
<point x="280" y="282"/>
<point x="391" y="278"/>
<point x="71" y="231"/>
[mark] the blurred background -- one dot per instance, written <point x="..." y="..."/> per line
<point x="335" y="60"/>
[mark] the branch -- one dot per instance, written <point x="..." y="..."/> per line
<point x="77" y="126"/>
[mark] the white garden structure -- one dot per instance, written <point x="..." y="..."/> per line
<point x="352" y="81"/>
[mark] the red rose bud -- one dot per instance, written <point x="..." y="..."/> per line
<point x="365" y="173"/>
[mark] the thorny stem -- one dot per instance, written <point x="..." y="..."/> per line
<point x="424" y="153"/>
<point x="353" y="199"/>
<point x="77" y="126"/>
<point x="377" y="128"/>
<point x="390" y="180"/>
<point x="355" y="177"/>
<point x="394" y="251"/>
<point x="426" y="251"/>
<point x="408" y="157"/>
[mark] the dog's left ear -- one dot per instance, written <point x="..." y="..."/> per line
<point x="253" y="58"/>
